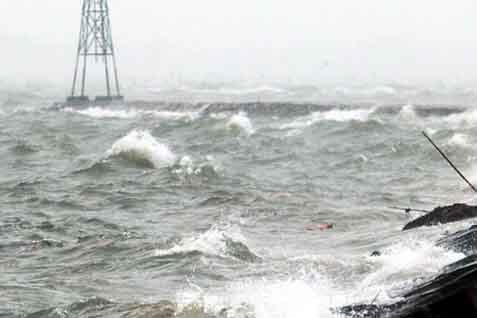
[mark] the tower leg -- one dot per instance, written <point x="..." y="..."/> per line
<point x="106" y="71"/>
<point x="95" y="41"/>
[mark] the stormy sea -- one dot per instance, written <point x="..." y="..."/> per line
<point x="211" y="201"/>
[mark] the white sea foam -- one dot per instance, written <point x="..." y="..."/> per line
<point x="312" y="292"/>
<point x="401" y="264"/>
<point x="430" y="131"/>
<point x="242" y="123"/>
<point x="211" y="242"/>
<point x="289" y="298"/>
<point x="337" y="115"/>
<point x="459" y="140"/>
<point x="170" y="115"/>
<point x="141" y="145"/>
<point x="218" y="115"/>
<point x="100" y="112"/>
<point x="408" y="113"/>
<point x="467" y="118"/>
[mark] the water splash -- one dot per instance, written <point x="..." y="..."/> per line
<point x="141" y="146"/>
<point x="408" y="113"/>
<point x="241" y="122"/>
<point x="337" y="115"/>
<point x="99" y="112"/>
<point x="108" y="113"/>
<point x="459" y="140"/>
<point x="217" y="241"/>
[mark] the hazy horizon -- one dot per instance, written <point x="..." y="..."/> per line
<point x="289" y="42"/>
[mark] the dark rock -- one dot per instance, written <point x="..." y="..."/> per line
<point x="462" y="242"/>
<point x="442" y="215"/>
<point x="451" y="294"/>
<point x="376" y="254"/>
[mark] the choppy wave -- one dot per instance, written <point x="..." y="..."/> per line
<point x="404" y="264"/>
<point x="408" y="113"/>
<point x="459" y="140"/>
<point x="141" y="146"/>
<point x="466" y="118"/>
<point x="311" y="292"/>
<point x="117" y="113"/>
<point x="223" y="242"/>
<point x="242" y="123"/>
<point x="337" y="115"/>
<point x="187" y="166"/>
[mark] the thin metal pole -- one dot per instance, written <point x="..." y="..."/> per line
<point x="449" y="162"/>
<point x="110" y="41"/>
<point x="73" y="87"/>
<point x="85" y="45"/>
<point x="105" y="45"/>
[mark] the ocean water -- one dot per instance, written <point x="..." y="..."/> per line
<point x="213" y="209"/>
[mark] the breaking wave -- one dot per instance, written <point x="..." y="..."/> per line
<point x="337" y="115"/>
<point x="402" y="265"/>
<point x="141" y="146"/>
<point x="264" y="298"/>
<point x="240" y="122"/>
<point x="309" y="289"/>
<point x="222" y="242"/>
<point x="459" y="140"/>
<point x="104" y="113"/>
<point x="98" y="112"/>
<point x="408" y="113"/>
<point x="466" y="118"/>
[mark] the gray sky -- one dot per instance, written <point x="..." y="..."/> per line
<point x="297" y="41"/>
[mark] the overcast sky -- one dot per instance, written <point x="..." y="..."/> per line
<point x="299" y="41"/>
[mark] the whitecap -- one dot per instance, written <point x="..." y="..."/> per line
<point x="263" y="298"/>
<point x="170" y="115"/>
<point x="408" y="113"/>
<point x="468" y="118"/>
<point x="99" y="112"/>
<point x="211" y="242"/>
<point x="241" y="122"/>
<point x="140" y="145"/>
<point x="407" y="263"/>
<point x="337" y="115"/>
<point x="459" y="140"/>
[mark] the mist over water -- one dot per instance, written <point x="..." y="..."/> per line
<point x="212" y="209"/>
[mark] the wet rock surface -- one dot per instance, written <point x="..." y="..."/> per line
<point x="453" y="293"/>
<point x="462" y="242"/>
<point x="443" y="215"/>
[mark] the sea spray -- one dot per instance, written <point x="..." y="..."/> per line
<point x="241" y="122"/>
<point x="337" y="115"/>
<point x="467" y="118"/>
<point x="132" y="113"/>
<point x="404" y="264"/>
<point x="223" y="241"/>
<point x="99" y="112"/>
<point x="459" y="140"/>
<point x="408" y="113"/>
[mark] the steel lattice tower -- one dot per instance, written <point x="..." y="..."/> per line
<point x="95" y="41"/>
